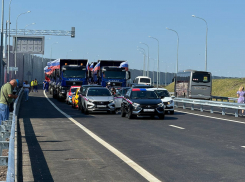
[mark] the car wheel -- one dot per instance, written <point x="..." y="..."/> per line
<point x="161" y="116"/>
<point x="171" y="112"/>
<point x="113" y="112"/>
<point x="130" y="116"/>
<point x="86" y="111"/>
<point x="123" y="114"/>
<point x="54" y="96"/>
<point x="82" y="109"/>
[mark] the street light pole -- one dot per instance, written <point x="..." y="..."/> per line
<point x="16" y="37"/>
<point x="206" y="50"/>
<point x="9" y="41"/>
<point x="144" y="61"/>
<point x="157" y="59"/>
<point x="148" y="59"/>
<point x="177" y="48"/>
<point x="1" y="53"/>
<point x="27" y="26"/>
<point x="51" y="50"/>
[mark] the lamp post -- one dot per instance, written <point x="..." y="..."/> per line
<point x="16" y="37"/>
<point x="206" y="50"/>
<point x="67" y="53"/>
<point x="177" y="47"/>
<point x="148" y="58"/>
<point x="153" y="70"/>
<point x="51" y="50"/>
<point x="157" y="60"/>
<point x="144" y="74"/>
<point x="144" y="60"/>
<point x="9" y="40"/>
<point x="27" y="26"/>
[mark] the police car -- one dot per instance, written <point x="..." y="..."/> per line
<point x="142" y="102"/>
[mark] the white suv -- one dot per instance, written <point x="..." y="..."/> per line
<point x="167" y="100"/>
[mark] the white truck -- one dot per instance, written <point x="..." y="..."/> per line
<point x="145" y="80"/>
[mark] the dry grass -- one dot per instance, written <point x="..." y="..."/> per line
<point x="221" y="87"/>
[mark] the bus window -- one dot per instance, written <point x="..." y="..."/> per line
<point x="201" y="77"/>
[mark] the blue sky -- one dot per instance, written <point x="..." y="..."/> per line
<point x="112" y="29"/>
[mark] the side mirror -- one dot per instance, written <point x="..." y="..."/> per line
<point x="172" y="97"/>
<point x="162" y="97"/>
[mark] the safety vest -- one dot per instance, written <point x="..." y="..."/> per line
<point x="35" y="83"/>
<point x="32" y="83"/>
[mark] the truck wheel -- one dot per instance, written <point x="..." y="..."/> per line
<point x="54" y="96"/>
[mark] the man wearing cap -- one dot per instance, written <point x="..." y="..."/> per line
<point x="6" y="97"/>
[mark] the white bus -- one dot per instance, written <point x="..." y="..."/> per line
<point x="193" y="84"/>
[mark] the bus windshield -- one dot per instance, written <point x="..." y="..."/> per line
<point x="114" y="74"/>
<point x="201" y="77"/>
<point x="74" y="73"/>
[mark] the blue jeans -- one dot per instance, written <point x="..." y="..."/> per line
<point x="26" y="93"/>
<point x="4" y="112"/>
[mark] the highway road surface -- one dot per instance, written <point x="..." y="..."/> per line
<point x="65" y="145"/>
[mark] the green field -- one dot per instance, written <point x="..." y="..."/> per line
<point x="221" y="87"/>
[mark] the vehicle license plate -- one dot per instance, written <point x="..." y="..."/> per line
<point x="101" y="105"/>
<point x="149" y="110"/>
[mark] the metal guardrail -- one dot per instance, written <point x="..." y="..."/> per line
<point x="7" y="140"/>
<point x="228" y="99"/>
<point x="211" y="104"/>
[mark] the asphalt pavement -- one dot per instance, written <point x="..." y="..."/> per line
<point x="186" y="146"/>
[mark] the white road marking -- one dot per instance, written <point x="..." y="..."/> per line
<point x="123" y="157"/>
<point x="177" y="127"/>
<point x="243" y="146"/>
<point x="234" y="121"/>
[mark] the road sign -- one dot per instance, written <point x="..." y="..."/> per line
<point x="29" y="44"/>
<point x="13" y="68"/>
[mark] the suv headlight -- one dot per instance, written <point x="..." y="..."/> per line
<point x="135" y="105"/>
<point x="111" y="101"/>
<point x="170" y="102"/>
<point x="160" y="105"/>
<point x="90" y="100"/>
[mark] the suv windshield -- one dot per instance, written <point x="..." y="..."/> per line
<point x="98" y="92"/>
<point x="143" y="95"/>
<point x="162" y="93"/>
<point x="74" y="73"/>
<point x="115" y="74"/>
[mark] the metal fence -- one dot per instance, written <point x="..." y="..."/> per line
<point x="7" y="140"/>
<point x="210" y="104"/>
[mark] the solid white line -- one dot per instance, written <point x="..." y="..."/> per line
<point x="234" y="121"/>
<point x="243" y="146"/>
<point x="177" y="127"/>
<point x="123" y="157"/>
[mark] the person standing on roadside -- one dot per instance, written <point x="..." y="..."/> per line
<point x="240" y="95"/>
<point x="35" y="85"/>
<point x="44" y="82"/>
<point x="32" y="85"/>
<point x="6" y="97"/>
<point x="46" y="86"/>
<point x="26" y="87"/>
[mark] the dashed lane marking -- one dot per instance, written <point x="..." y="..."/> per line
<point x="148" y="176"/>
<point x="177" y="127"/>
